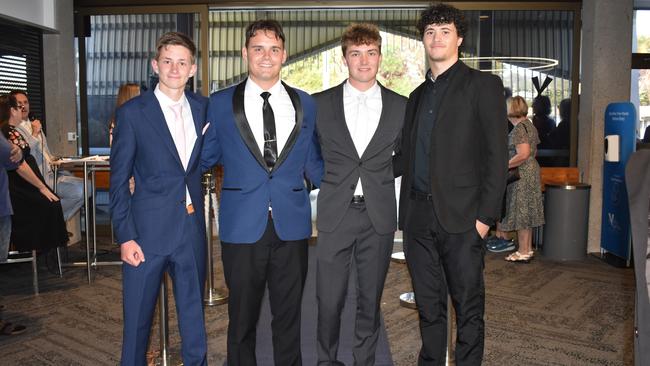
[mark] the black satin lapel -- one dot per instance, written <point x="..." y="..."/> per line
<point x="155" y="116"/>
<point x="243" y="126"/>
<point x="297" y="106"/>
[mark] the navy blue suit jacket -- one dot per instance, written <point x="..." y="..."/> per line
<point x="249" y="187"/>
<point x="143" y="148"/>
<point x="5" y="164"/>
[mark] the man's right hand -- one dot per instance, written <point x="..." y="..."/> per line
<point x="131" y="253"/>
<point x="36" y="127"/>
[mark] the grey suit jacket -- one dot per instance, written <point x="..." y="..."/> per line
<point x="343" y="166"/>
<point x="637" y="177"/>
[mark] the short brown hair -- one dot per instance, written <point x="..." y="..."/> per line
<point x="360" y="33"/>
<point x="517" y="107"/>
<point x="175" y="39"/>
<point x="265" y="25"/>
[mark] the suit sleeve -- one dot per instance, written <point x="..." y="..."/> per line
<point x="492" y="114"/>
<point x="122" y="161"/>
<point x="314" y="168"/>
<point x="211" y="150"/>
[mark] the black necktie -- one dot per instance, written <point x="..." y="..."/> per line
<point x="270" y="143"/>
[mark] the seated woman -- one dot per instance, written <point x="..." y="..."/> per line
<point x="37" y="223"/>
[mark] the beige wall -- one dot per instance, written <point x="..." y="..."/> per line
<point x="59" y="79"/>
<point x="605" y="78"/>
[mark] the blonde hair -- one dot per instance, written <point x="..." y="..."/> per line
<point x="517" y="107"/>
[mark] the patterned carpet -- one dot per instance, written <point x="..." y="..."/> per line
<point x="544" y="313"/>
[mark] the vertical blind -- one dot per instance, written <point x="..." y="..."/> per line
<point x="21" y="63"/>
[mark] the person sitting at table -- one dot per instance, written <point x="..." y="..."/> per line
<point x="69" y="189"/>
<point x="37" y="223"/>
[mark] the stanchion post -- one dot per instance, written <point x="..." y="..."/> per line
<point x="212" y="296"/>
<point x="164" y="325"/>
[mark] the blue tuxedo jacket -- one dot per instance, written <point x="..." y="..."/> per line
<point x="249" y="187"/>
<point x="143" y="148"/>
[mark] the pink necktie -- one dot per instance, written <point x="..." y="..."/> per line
<point x="180" y="127"/>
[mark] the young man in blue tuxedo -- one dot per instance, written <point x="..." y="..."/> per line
<point x="263" y="133"/>
<point x="160" y="226"/>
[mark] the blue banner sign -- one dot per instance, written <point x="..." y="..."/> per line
<point x="620" y="141"/>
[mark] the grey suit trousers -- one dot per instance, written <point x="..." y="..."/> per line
<point x="353" y="240"/>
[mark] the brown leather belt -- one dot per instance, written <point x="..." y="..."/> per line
<point x="190" y="209"/>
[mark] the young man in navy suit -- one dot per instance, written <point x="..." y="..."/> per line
<point x="263" y="133"/>
<point x="160" y="226"/>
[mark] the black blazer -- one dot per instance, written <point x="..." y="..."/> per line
<point x="469" y="155"/>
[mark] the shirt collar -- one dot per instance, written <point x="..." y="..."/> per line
<point x="253" y="88"/>
<point x="166" y="101"/>
<point x="351" y="91"/>
<point x="445" y="75"/>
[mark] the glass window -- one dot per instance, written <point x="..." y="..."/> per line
<point x="119" y="51"/>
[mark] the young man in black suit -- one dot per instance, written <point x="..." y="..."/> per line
<point x="454" y="176"/>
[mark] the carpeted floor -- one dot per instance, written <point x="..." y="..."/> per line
<point x="544" y="313"/>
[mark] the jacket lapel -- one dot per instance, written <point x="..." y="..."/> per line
<point x="383" y="121"/>
<point x="198" y="118"/>
<point x="242" y="124"/>
<point x="153" y="114"/>
<point x="339" y="121"/>
<point x="297" y="106"/>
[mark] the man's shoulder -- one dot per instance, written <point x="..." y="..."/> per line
<point x="327" y="92"/>
<point x="392" y="96"/>
<point x="219" y="95"/>
<point x="196" y="97"/>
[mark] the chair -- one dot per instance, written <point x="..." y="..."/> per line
<point x="23" y="257"/>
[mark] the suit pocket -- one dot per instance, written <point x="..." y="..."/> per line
<point x="389" y="181"/>
<point x="231" y="189"/>
<point x="298" y="189"/>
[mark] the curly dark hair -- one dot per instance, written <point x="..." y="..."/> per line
<point x="442" y="14"/>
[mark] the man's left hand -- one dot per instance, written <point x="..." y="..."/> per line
<point x="482" y="229"/>
<point x="16" y="154"/>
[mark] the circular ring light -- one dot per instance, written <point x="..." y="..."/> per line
<point x="536" y="63"/>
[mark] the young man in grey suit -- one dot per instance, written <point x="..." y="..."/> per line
<point x="359" y="123"/>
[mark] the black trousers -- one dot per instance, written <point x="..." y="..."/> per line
<point x="441" y="263"/>
<point x="248" y="269"/>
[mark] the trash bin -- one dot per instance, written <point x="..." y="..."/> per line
<point x="566" y="212"/>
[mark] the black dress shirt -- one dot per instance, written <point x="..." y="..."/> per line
<point x="434" y="91"/>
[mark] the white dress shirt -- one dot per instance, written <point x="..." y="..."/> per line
<point x="362" y="112"/>
<point x="177" y="130"/>
<point x="283" y="111"/>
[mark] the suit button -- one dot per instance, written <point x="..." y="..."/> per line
<point x="352" y="186"/>
<point x="360" y="163"/>
<point x="183" y="201"/>
<point x="270" y="177"/>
